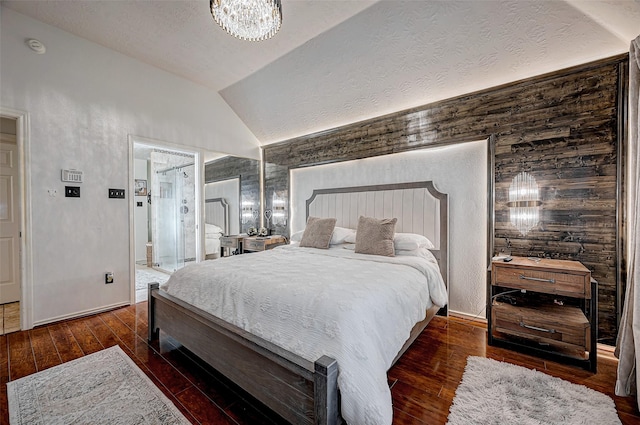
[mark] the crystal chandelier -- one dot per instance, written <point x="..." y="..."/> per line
<point x="524" y="202"/>
<point x="252" y="20"/>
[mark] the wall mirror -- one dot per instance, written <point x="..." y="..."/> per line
<point x="165" y="212"/>
<point x="235" y="181"/>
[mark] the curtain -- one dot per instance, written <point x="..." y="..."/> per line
<point x="628" y="344"/>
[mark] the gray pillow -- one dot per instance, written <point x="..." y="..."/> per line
<point x="318" y="232"/>
<point x="375" y="236"/>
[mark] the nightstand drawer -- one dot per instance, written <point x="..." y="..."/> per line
<point x="546" y="281"/>
<point x="229" y="242"/>
<point x="257" y="243"/>
<point x="251" y="244"/>
<point x="564" y="327"/>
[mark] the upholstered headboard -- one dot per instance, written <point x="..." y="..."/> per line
<point x="418" y="206"/>
<point x="216" y="211"/>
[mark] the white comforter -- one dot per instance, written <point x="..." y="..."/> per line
<point x="358" y="309"/>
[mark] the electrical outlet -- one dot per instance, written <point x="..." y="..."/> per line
<point x="108" y="277"/>
<point x="72" y="191"/>
<point x="116" y="193"/>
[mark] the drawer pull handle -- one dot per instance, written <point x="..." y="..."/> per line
<point x="537" y="279"/>
<point x="535" y="328"/>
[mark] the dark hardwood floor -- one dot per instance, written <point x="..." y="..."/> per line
<point x="423" y="381"/>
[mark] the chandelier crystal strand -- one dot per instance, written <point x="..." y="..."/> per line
<point x="252" y="20"/>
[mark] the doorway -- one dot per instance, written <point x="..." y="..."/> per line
<point x="10" y="226"/>
<point x="165" y="206"/>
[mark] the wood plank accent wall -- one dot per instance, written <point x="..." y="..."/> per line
<point x="561" y="127"/>
<point x="247" y="169"/>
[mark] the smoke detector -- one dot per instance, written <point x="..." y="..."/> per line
<point x="36" y="46"/>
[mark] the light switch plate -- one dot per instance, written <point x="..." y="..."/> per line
<point x="116" y="193"/>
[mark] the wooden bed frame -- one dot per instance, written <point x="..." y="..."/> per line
<point x="300" y="391"/>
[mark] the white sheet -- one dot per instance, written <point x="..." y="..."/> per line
<point x="212" y="245"/>
<point x="358" y="309"/>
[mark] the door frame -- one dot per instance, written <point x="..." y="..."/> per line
<point x="24" y="193"/>
<point x="198" y="159"/>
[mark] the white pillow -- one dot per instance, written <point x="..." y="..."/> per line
<point x="411" y="241"/>
<point x="340" y="234"/>
<point x="420" y="252"/>
<point x="403" y="241"/>
<point x="337" y="237"/>
<point x="351" y="238"/>
<point x="210" y="229"/>
<point x="297" y="236"/>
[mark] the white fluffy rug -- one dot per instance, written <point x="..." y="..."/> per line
<point x="102" y="388"/>
<point x="493" y="392"/>
<point x="145" y="277"/>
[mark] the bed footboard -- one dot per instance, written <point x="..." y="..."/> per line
<point x="300" y="391"/>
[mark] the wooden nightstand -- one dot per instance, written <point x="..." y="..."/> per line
<point x="257" y="243"/>
<point x="544" y="307"/>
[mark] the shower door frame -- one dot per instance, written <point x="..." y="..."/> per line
<point x="198" y="191"/>
<point x="180" y="248"/>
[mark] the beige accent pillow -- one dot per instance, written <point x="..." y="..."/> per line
<point x="318" y="232"/>
<point x="375" y="236"/>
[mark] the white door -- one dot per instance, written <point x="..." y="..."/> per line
<point x="9" y="224"/>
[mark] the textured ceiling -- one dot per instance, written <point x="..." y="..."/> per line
<point x="396" y="55"/>
<point x="336" y="62"/>
<point x="180" y="36"/>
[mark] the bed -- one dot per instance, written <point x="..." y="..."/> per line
<point x="216" y="217"/>
<point x="300" y="389"/>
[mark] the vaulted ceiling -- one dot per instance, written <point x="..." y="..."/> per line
<point x="337" y="62"/>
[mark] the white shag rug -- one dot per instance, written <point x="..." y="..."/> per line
<point x="493" y="392"/>
<point x="144" y="278"/>
<point x="102" y="388"/>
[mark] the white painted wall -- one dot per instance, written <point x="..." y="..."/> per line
<point x="458" y="170"/>
<point x="141" y="214"/>
<point x="83" y="101"/>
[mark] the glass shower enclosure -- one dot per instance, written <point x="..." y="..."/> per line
<point x="173" y="212"/>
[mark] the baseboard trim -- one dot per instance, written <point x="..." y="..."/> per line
<point x="83" y="313"/>
<point x="468" y="317"/>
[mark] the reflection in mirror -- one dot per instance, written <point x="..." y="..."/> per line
<point x="250" y="212"/>
<point x="219" y="219"/>
<point x="279" y="206"/>
<point x="164" y="210"/>
<point x="246" y="202"/>
<point x="276" y="196"/>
